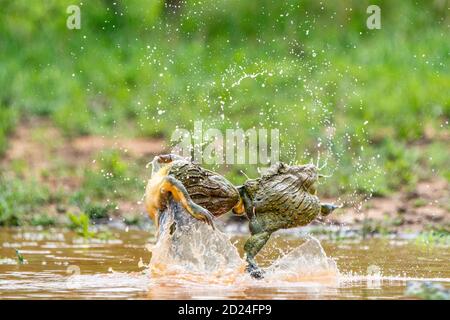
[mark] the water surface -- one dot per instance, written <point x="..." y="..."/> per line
<point x="59" y="264"/>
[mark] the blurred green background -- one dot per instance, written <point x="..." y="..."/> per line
<point x="141" y="68"/>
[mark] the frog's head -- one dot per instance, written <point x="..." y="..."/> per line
<point x="164" y="162"/>
<point x="308" y="175"/>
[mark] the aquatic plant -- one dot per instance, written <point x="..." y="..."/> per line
<point x="20" y="258"/>
<point x="80" y="224"/>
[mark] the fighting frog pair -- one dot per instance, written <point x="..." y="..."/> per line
<point x="283" y="197"/>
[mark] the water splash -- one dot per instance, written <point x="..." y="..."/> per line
<point x="193" y="248"/>
<point x="306" y="262"/>
<point x="195" y="251"/>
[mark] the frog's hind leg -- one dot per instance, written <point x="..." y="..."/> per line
<point x="179" y="193"/>
<point x="253" y="245"/>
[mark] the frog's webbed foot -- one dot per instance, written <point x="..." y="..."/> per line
<point x="255" y="271"/>
<point x="327" y="208"/>
<point x="180" y="194"/>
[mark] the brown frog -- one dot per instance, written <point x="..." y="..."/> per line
<point x="200" y="192"/>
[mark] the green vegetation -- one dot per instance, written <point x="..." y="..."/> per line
<point x="132" y="220"/>
<point x="113" y="177"/>
<point x="8" y="118"/>
<point x="95" y="210"/>
<point x="98" y="211"/>
<point x="80" y="224"/>
<point x="434" y="237"/>
<point x="19" y="200"/>
<point x="419" y="202"/>
<point x="142" y="69"/>
<point x="20" y="258"/>
<point x="427" y="291"/>
<point x="382" y="227"/>
<point x="42" y="220"/>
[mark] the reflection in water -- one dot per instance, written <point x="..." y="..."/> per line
<point x="306" y="268"/>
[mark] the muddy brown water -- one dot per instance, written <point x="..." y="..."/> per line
<point x="59" y="264"/>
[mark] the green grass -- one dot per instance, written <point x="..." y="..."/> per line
<point x="95" y="209"/>
<point x="8" y="118"/>
<point x="43" y="220"/>
<point x="113" y="177"/>
<point x="19" y="200"/>
<point x="427" y="291"/>
<point x="99" y="211"/>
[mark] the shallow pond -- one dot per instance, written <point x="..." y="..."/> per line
<point x="59" y="264"/>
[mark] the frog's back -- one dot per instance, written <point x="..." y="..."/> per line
<point x="206" y="188"/>
<point x="282" y="197"/>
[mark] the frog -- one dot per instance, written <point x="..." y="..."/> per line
<point x="283" y="197"/>
<point x="181" y="186"/>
